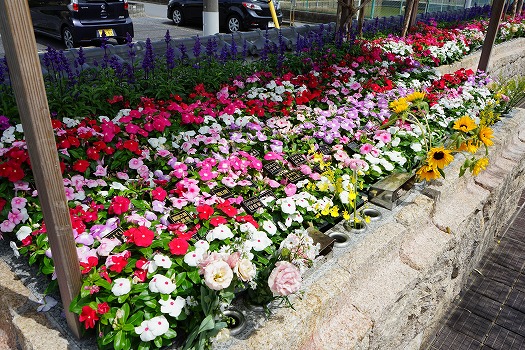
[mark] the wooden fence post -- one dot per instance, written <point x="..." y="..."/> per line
<point x="28" y="84"/>
<point x="495" y="17"/>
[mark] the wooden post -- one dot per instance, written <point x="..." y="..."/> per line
<point x="28" y="84"/>
<point x="408" y="16"/>
<point x="413" y="17"/>
<point x="495" y="18"/>
<point x="360" y="22"/>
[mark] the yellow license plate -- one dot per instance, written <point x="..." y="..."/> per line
<point x="107" y="32"/>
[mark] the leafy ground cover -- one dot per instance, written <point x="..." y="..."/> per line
<point x="196" y="180"/>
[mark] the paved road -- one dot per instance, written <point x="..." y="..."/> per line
<point x="152" y="24"/>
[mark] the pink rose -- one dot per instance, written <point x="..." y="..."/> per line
<point x="285" y="279"/>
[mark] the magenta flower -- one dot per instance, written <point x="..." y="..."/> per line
<point x="206" y="173"/>
<point x="366" y="148"/>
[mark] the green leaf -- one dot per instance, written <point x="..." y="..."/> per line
<point x="136" y="318"/>
<point x="125" y="309"/>
<point x="158" y="342"/>
<point x="441" y="172"/>
<point x="206" y="324"/>
<point x="151" y="303"/>
<point x="103" y="283"/>
<point x="119" y="340"/>
<point x="108" y="338"/>
<point x="194" y="276"/>
<point x="143" y="346"/>
<point x="170" y="334"/>
<point x="128" y="327"/>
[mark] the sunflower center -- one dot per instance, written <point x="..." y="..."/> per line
<point x="439" y="155"/>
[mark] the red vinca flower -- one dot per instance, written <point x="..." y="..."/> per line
<point x="88" y="316"/>
<point x="119" y="263"/>
<point x="141" y="236"/>
<point x="218" y="220"/>
<point x="205" y="211"/>
<point x="92" y="262"/>
<point x="178" y="246"/>
<point x="159" y="194"/>
<point x="102" y="308"/>
<point x="119" y="205"/>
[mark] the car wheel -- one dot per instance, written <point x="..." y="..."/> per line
<point x="177" y="17"/>
<point x="234" y="23"/>
<point x="67" y="38"/>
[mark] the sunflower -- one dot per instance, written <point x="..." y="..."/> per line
<point x="427" y="172"/>
<point x="465" y="124"/>
<point x="439" y="157"/>
<point x="480" y="165"/>
<point x="399" y="106"/>
<point x="485" y="135"/>
<point x="469" y="146"/>
<point x="416" y="95"/>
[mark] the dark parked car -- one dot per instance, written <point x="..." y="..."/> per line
<point x="78" y="22"/>
<point x="234" y="15"/>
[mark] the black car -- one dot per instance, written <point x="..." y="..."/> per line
<point x="78" y="22"/>
<point x="234" y="15"/>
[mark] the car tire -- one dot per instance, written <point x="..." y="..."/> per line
<point x="177" y="17"/>
<point x="68" y="39"/>
<point x="234" y="23"/>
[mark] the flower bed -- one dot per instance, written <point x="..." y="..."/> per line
<point x="179" y="205"/>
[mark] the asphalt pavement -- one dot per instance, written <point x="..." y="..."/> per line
<point x="152" y="24"/>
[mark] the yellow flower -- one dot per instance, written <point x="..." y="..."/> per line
<point x="334" y="211"/>
<point x="400" y="105"/>
<point x="439" y="157"/>
<point x="427" y="172"/>
<point x="346" y="216"/>
<point x="485" y="135"/>
<point x="416" y="95"/>
<point x="326" y="210"/>
<point x="465" y="124"/>
<point x="469" y="146"/>
<point x="480" y="165"/>
<point x="322" y="186"/>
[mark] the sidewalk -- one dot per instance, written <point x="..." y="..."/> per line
<point x="490" y="314"/>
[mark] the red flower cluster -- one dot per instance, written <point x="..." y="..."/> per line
<point x="141" y="236"/>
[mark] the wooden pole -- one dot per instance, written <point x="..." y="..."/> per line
<point x="28" y="84"/>
<point x="408" y="16"/>
<point x="495" y="18"/>
<point x="360" y="22"/>
<point x="413" y="17"/>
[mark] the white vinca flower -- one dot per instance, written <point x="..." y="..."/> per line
<point x="193" y="258"/>
<point x="161" y="284"/>
<point x="23" y="232"/>
<point x="269" y="227"/>
<point x="162" y="261"/>
<point x="121" y="286"/>
<point x="172" y="307"/>
<point x="220" y="232"/>
<point x="260" y="241"/>
<point x="151" y="329"/>
<point x="287" y="205"/>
